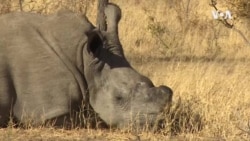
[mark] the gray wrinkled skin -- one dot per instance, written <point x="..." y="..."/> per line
<point x="50" y="65"/>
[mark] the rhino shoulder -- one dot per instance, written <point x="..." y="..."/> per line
<point x="65" y="19"/>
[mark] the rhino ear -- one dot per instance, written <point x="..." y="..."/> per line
<point x="95" y="43"/>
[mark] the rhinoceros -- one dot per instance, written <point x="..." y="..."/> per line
<point x="51" y="65"/>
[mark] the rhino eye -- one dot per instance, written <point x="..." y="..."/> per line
<point x="118" y="98"/>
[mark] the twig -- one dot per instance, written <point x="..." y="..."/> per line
<point x="242" y="35"/>
<point x="224" y="21"/>
<point x="21" y="5"/>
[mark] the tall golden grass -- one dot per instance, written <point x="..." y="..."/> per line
<point x="179" y="44"/>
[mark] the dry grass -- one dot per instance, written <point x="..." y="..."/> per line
<point x="178" y="44"/>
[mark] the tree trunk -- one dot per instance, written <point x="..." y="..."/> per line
<point x="21" y="5"/>
<point x="100" y="21"/>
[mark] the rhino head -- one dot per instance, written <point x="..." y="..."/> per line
<point x="118" y="93"/>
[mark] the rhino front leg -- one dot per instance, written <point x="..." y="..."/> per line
<point x="101" y="22"/>
<point x="113" y="15"/>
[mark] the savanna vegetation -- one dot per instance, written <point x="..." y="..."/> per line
<point x="177" y="43"/>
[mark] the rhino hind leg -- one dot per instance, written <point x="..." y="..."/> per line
<point x="7" y="98"/>
<point x="113" y="16"/>
<point x="4" y="119"/>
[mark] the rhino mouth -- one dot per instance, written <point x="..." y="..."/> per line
<point x="142" y="122"/>
<point x="152" y="121"/>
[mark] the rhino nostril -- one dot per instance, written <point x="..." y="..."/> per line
<point x="161" y="123"/>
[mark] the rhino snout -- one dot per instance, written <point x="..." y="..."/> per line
<point x="166" y="92"/>
<point x="162" y="96"/>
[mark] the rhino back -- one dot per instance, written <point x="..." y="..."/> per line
<point x="39" y="60"/>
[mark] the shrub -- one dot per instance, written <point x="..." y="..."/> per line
<point x="240" y="7"/>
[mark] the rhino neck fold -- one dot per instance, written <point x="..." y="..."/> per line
<point x="112" y="43"/>
<point x="54" y="47"/>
